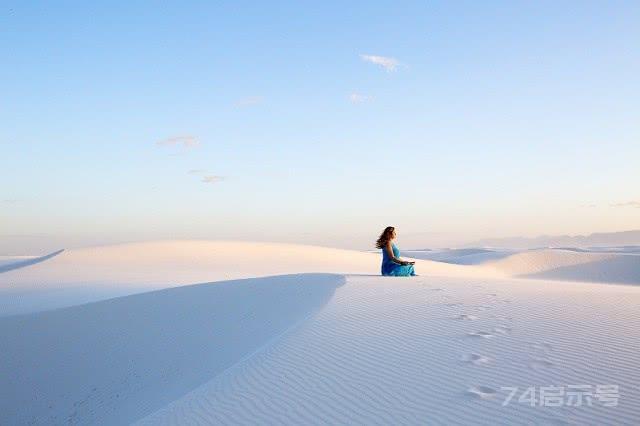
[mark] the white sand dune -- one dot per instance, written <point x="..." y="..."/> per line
<point x="8" y="263"/>
<point x="570" y="265"/>
<point x="613" y="249"/>
<point x="384" y="351"/>
<point x="77" y="276"/>
<point x="465" y="256"/>
<point x="619" y="265"/>
<point x="310" y="349"/>
<point x="113" y="361"/>
<point x="8" y="260"/>
<point x="313" y="348"/>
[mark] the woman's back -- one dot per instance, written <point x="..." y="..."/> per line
<point x="385" y="254"/>
<point x="391" y="268"/>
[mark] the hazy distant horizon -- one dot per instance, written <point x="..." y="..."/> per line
<point x="15" y="245"/>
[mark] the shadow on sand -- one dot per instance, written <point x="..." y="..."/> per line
<point x="117" y="360"/>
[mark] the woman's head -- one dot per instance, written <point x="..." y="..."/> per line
<point x="387" y="235"/>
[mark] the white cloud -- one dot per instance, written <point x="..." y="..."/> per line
<point x="212" y="179"/>
<point x="358" y="98"/>
<point x="183" y="141"/>
<point x="204" y="177"/>
<point x="249" y="101"/>
<point x="634" y="203"/>
<point x="390" y="64"/>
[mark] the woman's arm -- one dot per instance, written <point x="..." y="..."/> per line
<point x="393" y="258"/>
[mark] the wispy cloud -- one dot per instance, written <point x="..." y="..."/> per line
<point x="205" y="176"/>
<point x="389" y="64"/>
<point x="359" y="98"/>
<point x="181" y="141"/>
<point x="249" y="101"/>
<point x="9" y="200"/>
<point x="634" y="203"/>
<point x="212" y="179"/>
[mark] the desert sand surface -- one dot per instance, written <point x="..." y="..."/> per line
<point x="69" y="277"/>
<point x="214" y="332"/>
<point x="604" y="265"/>
<point x="464" y="256"/>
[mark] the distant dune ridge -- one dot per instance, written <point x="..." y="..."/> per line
<point x="572" y="266"/>
<point x="464" y="256"/>
<point x="619" y="265"/>
<point x="18" y="262"/>
<point x="294" y="334"/>
<point x="624" y="238"/>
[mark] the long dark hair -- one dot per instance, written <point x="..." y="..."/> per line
<point x="384" y="238"/>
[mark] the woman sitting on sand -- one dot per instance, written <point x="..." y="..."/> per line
<point x="391" y="263"/>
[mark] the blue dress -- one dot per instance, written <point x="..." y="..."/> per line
<point x="389" y="267"/>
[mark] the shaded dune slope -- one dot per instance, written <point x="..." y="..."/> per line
<point x="17" y="264"/>
<point x="120" y="359"/>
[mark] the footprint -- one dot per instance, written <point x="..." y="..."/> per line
<point x="482" y="392"/>
<point x="501" y="318"/>
<point x="482" y="307"/>
<point x="540" y="363"/>
<point x="483" y="334"/>
<point x="542" y="346"/>
<point x="476" y="359"/>
<point x="467" y="317"/>
<point x="502" y="329"/>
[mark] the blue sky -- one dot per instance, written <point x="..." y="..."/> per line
<point x="266" y="121"/>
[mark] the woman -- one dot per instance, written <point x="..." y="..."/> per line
<point x="391" y="263"/>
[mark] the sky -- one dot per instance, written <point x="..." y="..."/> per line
<point x="316" y="122"/>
